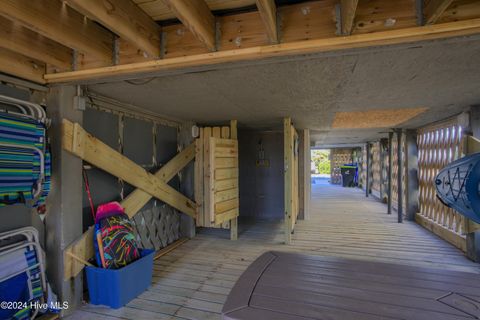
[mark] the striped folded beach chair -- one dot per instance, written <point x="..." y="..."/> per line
<point x="25" y="160"/>
<point x="22" y="273"/>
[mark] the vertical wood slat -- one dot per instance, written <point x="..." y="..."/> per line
<point x="234" y="221"/>
<point x="207" y="133"/>
<point x="225" y="134"/>
<point x="216" y="133"/>
<point x="438" y="145"/>
<point x="199" y="153"/>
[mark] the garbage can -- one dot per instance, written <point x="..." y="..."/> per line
<point x="348" y="175"/>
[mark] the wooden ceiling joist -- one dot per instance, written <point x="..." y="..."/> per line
<point x="55" y="20"/>
<point x="197" y="17"/>
<point x="21" y="66"/>
<point x="348" y="9"/>
<point x="28" y="43"/>
<point x="398" y="36"/>
<point x="126" y="19"/>
<point x="268" y="12"/>
<point x="434" y="9"/>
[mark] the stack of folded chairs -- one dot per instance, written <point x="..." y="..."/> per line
<point x="25" y="168"/>
<point x="23" y="285"/>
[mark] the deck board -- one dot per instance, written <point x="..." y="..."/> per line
<point x="296" y="285"/>
<point x="193" y="281"/>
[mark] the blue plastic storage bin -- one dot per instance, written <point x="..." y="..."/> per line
<point x="116" y="287"/>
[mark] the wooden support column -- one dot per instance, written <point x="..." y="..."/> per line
<point x="411" y="165"/>
<point x="304" y="174"/>
<point x="390" y="165"/>
<point x="367" y="174"/>
<point x="234" y="221"/>
<point x="64" y="219"/>
<point x="399" y="176"/>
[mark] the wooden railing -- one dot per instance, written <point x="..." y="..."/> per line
<point x="439" y="145"/>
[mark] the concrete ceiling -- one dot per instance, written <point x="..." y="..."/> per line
<point x="443" y="76"/>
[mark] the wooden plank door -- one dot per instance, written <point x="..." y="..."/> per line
<point x="223" y="180"/>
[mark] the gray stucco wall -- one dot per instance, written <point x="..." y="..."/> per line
<point x="261" y="187"/>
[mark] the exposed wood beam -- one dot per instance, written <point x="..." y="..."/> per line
<point x="126" y="19"/>
<point x="21" y="66"/>
<point x="28" y="43"/>
<point x="434" y="9"/>
<point x="407" y="35"/>
<point x="77" y="141"/>
<point x="348" y="9"/>
<point x="268" y="12"/>
<point x="197" y="17"/>
<point x="55" y="20"/>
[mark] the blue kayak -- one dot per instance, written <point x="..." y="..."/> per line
<point x="457" y="186"/>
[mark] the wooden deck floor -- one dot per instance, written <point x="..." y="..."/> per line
<point x="193" y="281"/>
